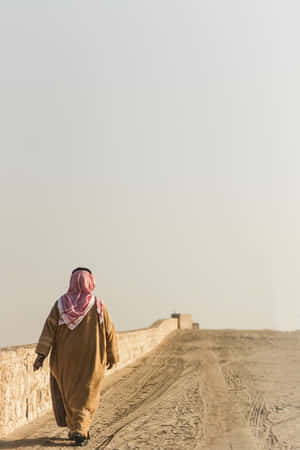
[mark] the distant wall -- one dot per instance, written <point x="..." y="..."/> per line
<point x="25" y="395"/>
<point x="134" y="344"/>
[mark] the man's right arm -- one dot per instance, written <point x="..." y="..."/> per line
<point x="47" y="337"/>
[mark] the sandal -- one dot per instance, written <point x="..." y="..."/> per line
<point x="80" y="439"/>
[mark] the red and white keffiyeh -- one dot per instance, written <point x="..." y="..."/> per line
<point x="78" y="300"/>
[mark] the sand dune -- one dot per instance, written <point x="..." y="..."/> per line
<point x="212" y="390"/>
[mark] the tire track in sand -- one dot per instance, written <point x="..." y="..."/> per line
<point x="175" y="397"/>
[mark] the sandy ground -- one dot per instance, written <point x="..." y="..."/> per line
<point x="212" y="390"/>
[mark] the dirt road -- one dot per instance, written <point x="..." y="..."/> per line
<point x="211" y="390"/>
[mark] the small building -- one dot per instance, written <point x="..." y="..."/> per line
<point x="184" y="320"/>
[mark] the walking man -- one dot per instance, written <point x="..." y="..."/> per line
<point x="82" y="339"/>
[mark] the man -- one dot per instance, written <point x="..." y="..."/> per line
<point x="82" y="339"/>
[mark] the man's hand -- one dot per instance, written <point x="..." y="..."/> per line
<point x="38" y="362"/>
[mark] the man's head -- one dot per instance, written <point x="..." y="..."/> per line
<point x="82" y="280"/>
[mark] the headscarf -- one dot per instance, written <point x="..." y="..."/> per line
<point x="78" y="300"/>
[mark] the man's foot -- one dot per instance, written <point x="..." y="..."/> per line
<point x="80" y="440"/>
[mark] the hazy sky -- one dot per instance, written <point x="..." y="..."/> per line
<point x="156" y="142"/>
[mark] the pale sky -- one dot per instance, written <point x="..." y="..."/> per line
<point x="156" y="142"/>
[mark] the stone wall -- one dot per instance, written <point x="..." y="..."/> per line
<point x="134" y="344"/>
<point x="25" y="395"/>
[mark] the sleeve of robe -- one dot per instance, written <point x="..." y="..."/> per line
<point x="111" y="338"/>
<point x="47" y="337"/>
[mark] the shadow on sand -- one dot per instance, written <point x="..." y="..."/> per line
<point x="42" y="442"/>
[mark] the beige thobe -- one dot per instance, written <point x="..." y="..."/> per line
<point x="77" y="365"/>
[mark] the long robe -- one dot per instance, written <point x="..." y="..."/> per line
<point x="77" y="365"/>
